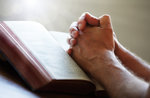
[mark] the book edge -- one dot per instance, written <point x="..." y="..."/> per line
<point x="45" y="77"/>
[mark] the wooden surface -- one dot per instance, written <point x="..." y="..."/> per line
<point x="12" y="86"/>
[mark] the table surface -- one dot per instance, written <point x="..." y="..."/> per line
<point x="12" y="85"/>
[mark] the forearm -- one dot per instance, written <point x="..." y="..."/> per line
<point x="134" y="63"/>
<point x="117" y="81"/>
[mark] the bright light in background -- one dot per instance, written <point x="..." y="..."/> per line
<point x="31" y="4"/>
<point x="43" y="11"/>
<point x="33" y="9"/>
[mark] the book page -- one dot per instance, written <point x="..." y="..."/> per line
<point x="61" y="37"/>
<point x="46" y="50"/>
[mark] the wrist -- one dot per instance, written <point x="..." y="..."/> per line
<point x="106" y="69"/>
<point x="104" y="61"/>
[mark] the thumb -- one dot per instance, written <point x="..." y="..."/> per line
<point x="87" y="18"/>
<point x="91" y="20"/>
<point x="105" y="21"/>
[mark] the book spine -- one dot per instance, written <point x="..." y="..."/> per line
<point x="22" y="59"/>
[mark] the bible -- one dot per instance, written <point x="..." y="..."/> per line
<point x="40" y="58"/>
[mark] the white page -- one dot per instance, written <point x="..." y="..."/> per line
<point x="47" y="51"/>
<point x="61" y="38"/>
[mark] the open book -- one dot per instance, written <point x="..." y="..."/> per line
<point x="40" y="58"/>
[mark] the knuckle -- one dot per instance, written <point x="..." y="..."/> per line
<point x="72" y="41"/>
<point x="83" y="15"/>
<point x="106" y="16"/>
<point x="73" y="29"/>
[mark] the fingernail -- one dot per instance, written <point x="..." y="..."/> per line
<point x="73" y="42"/>
<point x="73" y="34"/>
<point x="80" y="26"/>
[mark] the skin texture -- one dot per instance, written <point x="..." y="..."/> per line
<point x="94" y="46"/>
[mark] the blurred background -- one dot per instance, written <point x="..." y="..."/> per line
<point x="131" y="18"/>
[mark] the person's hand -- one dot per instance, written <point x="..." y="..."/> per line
<point x="92" y="43"/>
<point x="85" y="20"/>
